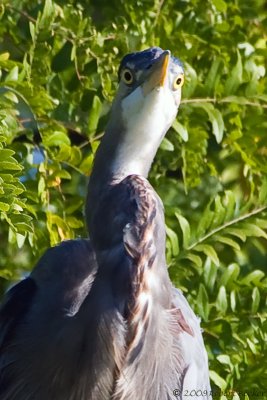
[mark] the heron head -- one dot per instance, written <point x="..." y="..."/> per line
<point x="149" y="90"/>
<point x="144" y="108"/>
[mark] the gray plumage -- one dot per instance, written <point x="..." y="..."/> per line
<point x="99" y="319"/>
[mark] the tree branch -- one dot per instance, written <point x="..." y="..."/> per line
<point x="223" y="100"/>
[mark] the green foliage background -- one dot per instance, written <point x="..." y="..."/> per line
<point x="58" y="64"/>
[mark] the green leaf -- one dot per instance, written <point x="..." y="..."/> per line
<point x="255" y="300"/>
<point x="5" y="154"/>
<point x="20" y="239"/>
<point x="12" y="75"/>
<point x="219" y="212"/>
<point x="224" y="359"/>
<point x="185" y="229"/>
<point x="21" y="218"/>
<point x="56" y="220"/>
<point x="74" y="223"/>
<point x="212" y="76"/>
<point x="63" y="174"/>
<point x="263" y="192"/>
<point x="5" y="273"/>
<point x="48" y="11"/>
<point x="4" y="206"/>
<point x="11" y="165"/>
<point x="220" y="5"/>
<point x="210" y="273"/>
<point x="64" y="152"/>
<point x="12" y="97"/>
<point x="221" y="301"/>
<point x="181" y="130"/>
<point x="41" y="185"/>
<point x="87" y="164"/>
<point x="235" y="77"/>
<point x="173" y="239"/>
<point x="261" y="223"/>
<point x="236" y="396"/>
<point x="205" y="221"/>
<point x="194" y="258"/>
<point x="166" y="145"/>
<point x="4" y="56"/>
<point x="229" y="203"/>
<point x="252" y="346"/>
<point x="253" y="277"/>
<point x="32" y="31"/>
<point x="233" y="300"/>
<point x="57" y="139"/>
<point x="209" y="251"/>
<point x="237" y="232"/>
<point x="94" y="115"/>
<point x="191" y="81"/>
<point x="228" y="242"/>
<point x="215" y="118"/>
<point x="75" y="156"/>
<point x="253" y="230"/>
<point x="230" y="275"/>
<point x="203" y="302"/>
<point x="217" y="380"/>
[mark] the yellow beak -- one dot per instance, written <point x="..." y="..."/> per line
<point x="158" y="74"/>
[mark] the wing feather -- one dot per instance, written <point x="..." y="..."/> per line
<point x="195" y="383"/>
<point x="14" y="307"/>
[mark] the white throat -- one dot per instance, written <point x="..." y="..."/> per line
<point x="146" y="120"/>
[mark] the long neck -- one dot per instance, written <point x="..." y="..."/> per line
<point x="128" y="146"/>
<point x="122" y="152"/>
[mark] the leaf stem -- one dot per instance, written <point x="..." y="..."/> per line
<point x="226" y="225"/>
<point x="223" y="100"/>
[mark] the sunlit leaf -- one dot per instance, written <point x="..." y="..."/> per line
<point x="253" y="277"/>
<point x="94" y="115"/>
<point x="56" y="139"/>
<point x="235" y="77"/>
<point x="180" y="129"/>
<point x="166" y="145"/>
<point x="230" y="274"/>
<point x="215" y="118"/>
<point x="255" y="300"/>
<point x="221" y="301"/>
<point x="174" y="240"/>
<point x="203" y="302"/>
<point x="209" y="251"/>
<point x="185" y="229"/>
<point x="220" y="382"/>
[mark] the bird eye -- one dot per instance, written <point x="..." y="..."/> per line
<point x="178" y="81"/>
<point x="127" y="76"/>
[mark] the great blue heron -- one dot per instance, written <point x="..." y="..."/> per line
<point x="100" y="319"/>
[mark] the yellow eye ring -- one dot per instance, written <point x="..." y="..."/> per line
<point x="127" y="76"/>
<point x="178" y="81"/>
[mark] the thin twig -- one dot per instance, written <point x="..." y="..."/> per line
<point x="96" y="137"/>
<point x="23" y="13"/>
<point x="199" y="100"/>
<point x="226" y="225"/>
<point x="158" y="12"/>
<point x="223" y="100"/>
